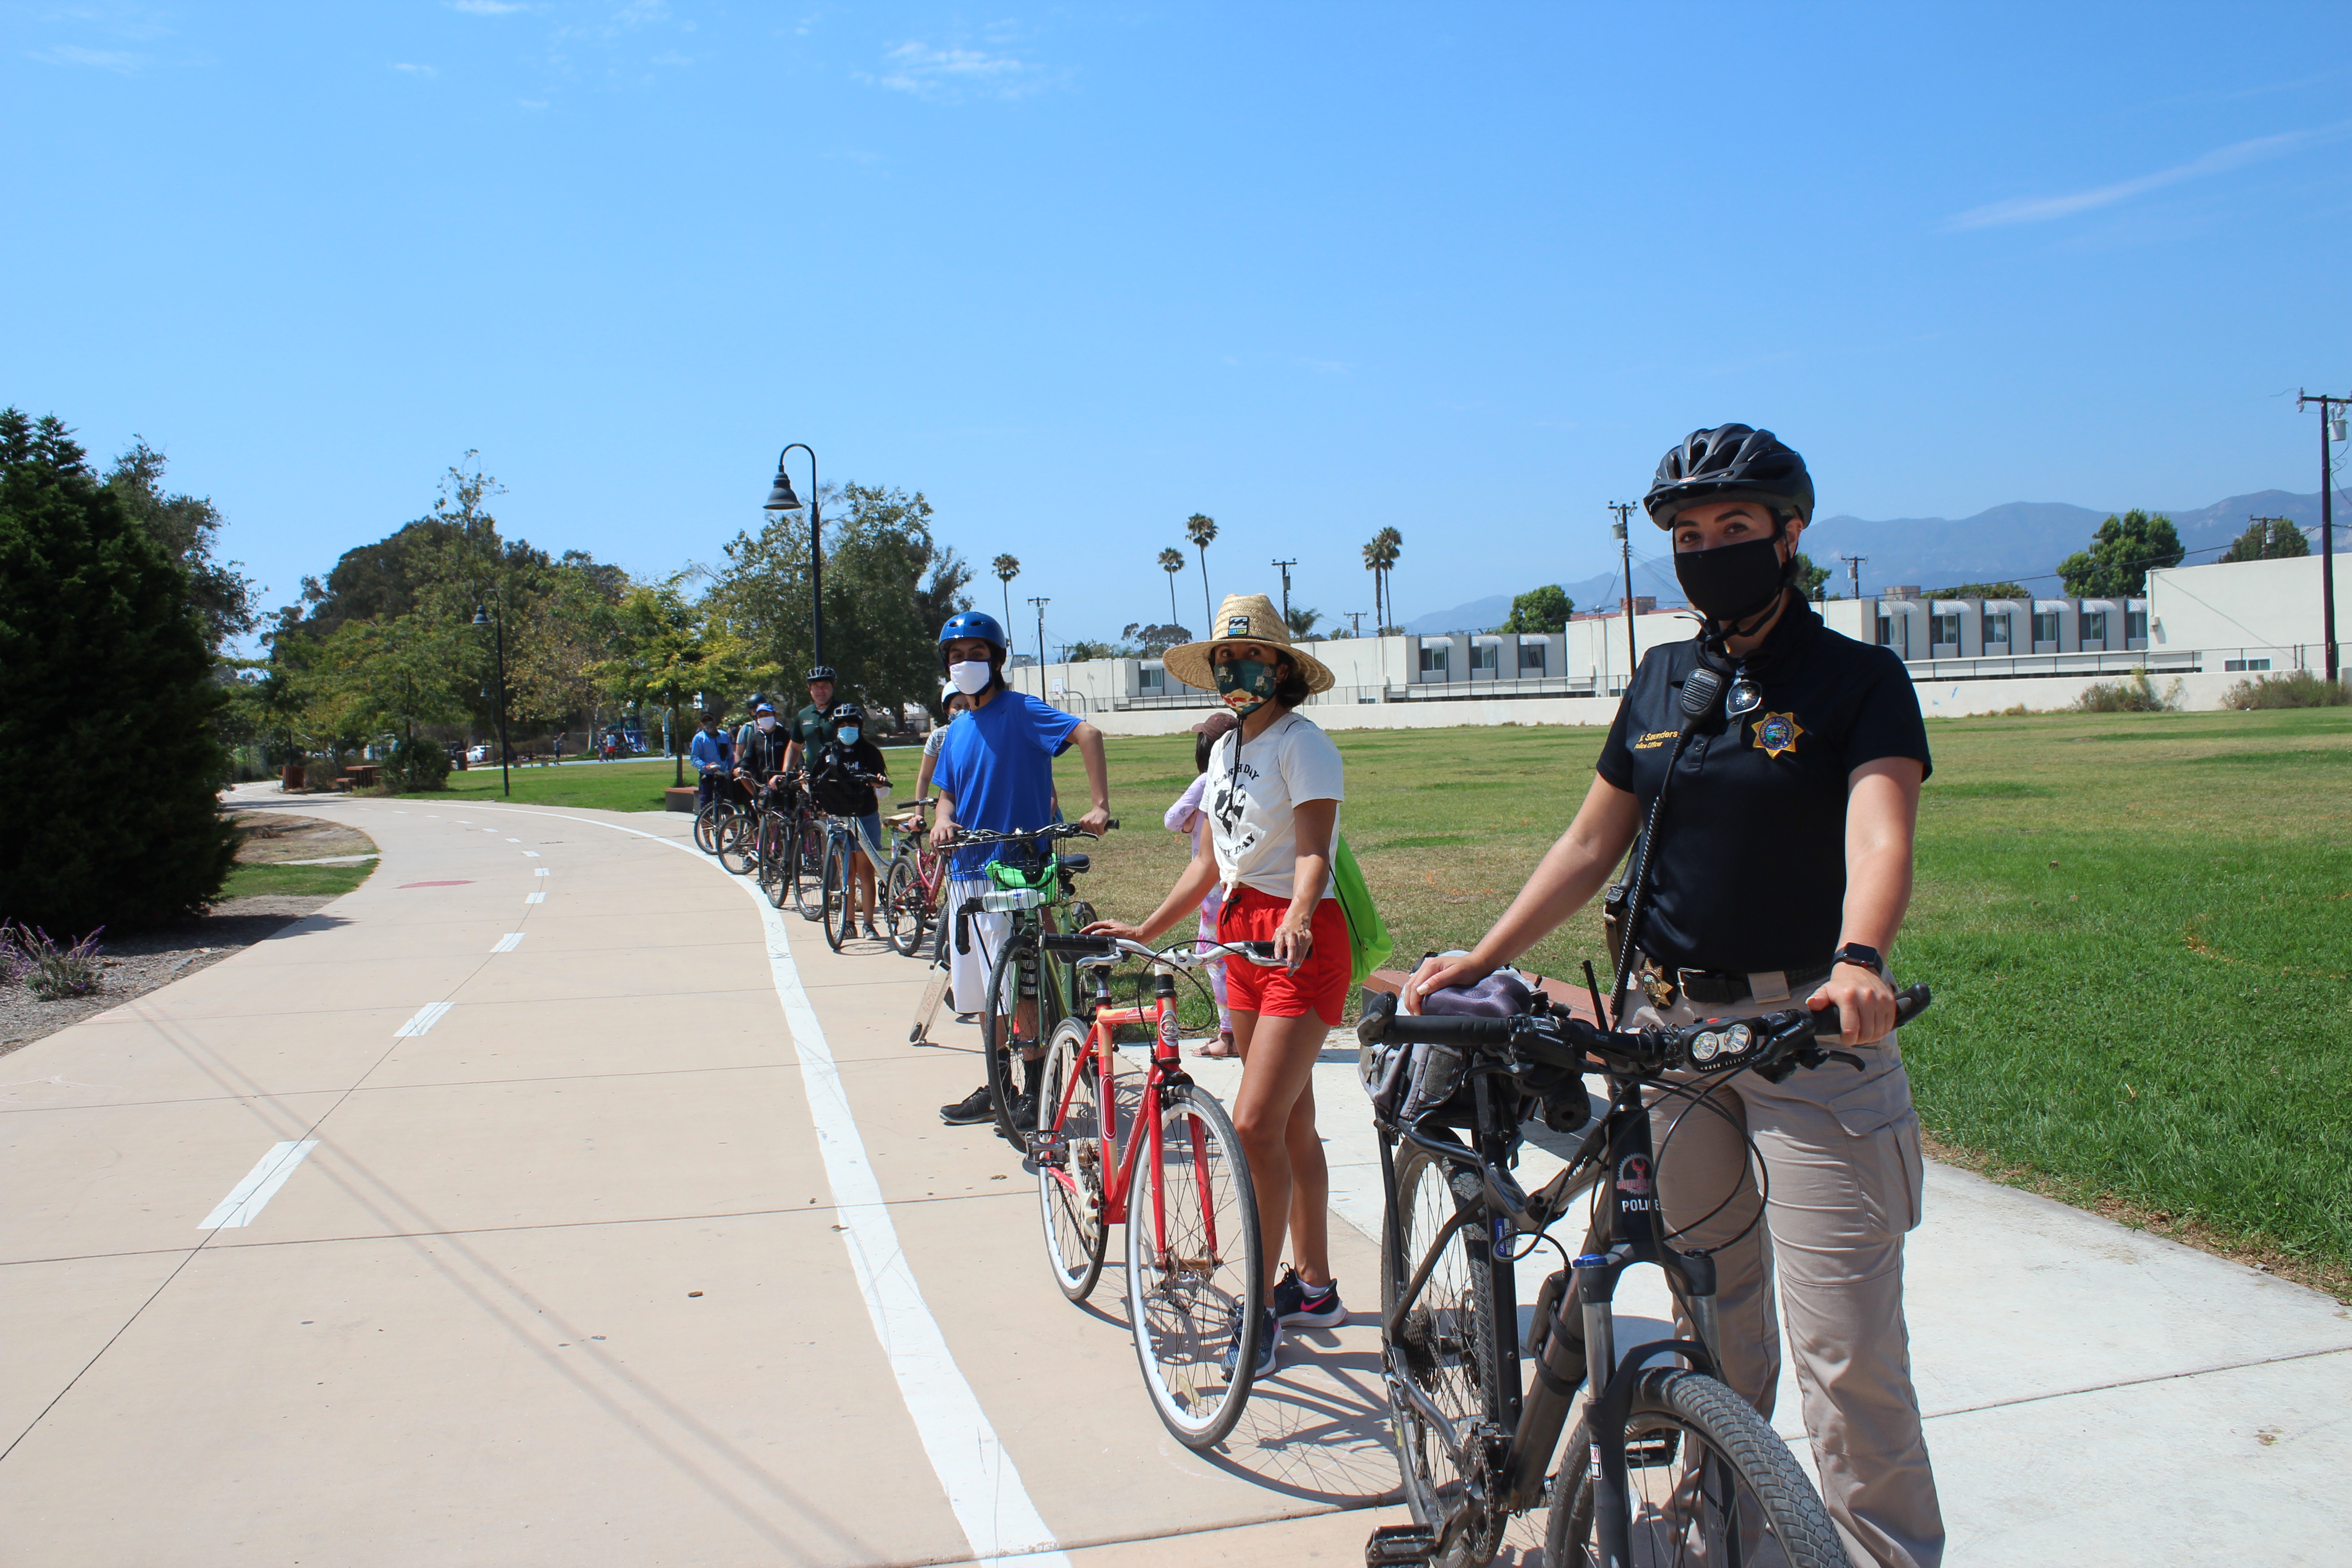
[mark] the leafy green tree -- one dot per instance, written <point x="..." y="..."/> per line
<point x="1983" y="591"/>
<point x="888" y="587"/>
<point x="1081" y="651"/>
<point x="1150" y="642"/>
<point x="1544" y="609"/>
<point x="188" y="528"/>
<point x="2268" y="539"/>
<point x="664" y="653"/>
<point x="1302" y="621"/>
<point x="389" y="674"/>
<point x="1810" y="577"/>
<point x="100" y="657"/>
<point x="2122" y="554"/>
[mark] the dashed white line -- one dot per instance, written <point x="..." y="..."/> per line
<point x="508" y="943"/>
<point x="542" y="871"/>
<point x="532" y="853"/>
<point x="260" y="1184"/>
<point x="426" y="1016"/>
<point x="514" y="840"/>
<point x="536" y="898"/>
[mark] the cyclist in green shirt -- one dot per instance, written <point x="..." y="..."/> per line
<point x="810" y="730"/>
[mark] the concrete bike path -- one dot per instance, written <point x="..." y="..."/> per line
<point x="488" y="1216"/>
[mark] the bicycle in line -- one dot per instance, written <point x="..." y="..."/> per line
<point x="1037" y="886"/>
<point x="1666" y="1464"/>
<point x="714" y="819"/>
<point x="917" y="880"/>
<point x="844" y="841"/>
<point x="1195" y="1261"/>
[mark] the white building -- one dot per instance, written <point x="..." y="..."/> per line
<point x="2204" y="627"/>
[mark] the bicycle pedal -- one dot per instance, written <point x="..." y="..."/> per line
<point x="1649" y="1453"/>
<point x="1400" y="1546"/>
<point x="1051" y="1148"/>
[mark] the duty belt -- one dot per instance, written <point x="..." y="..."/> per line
<point x="1719" y="987"/>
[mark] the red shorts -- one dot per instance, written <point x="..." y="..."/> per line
<point x="1321" y="983"/>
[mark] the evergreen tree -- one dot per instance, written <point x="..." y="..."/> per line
<point x="103" y="658"/>
<point x="2268" y="539"/>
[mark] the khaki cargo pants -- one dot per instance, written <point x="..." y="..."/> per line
<point x="1839" y="1153"/>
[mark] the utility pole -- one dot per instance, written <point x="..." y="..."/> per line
<point x="1041" y="604"/>
<point x="1286" y="567"/>
<point x="1356" y="622"/>
<point x="2331" y="428"/>
<point x="1624" y="508"/>
<point x="1853" y="572"/>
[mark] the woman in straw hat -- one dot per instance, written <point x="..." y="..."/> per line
<point x="1272" y="799"/>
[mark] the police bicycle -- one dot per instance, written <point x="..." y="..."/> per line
<point x="1668" y="1464"/>
<point x="1037" y="886"/>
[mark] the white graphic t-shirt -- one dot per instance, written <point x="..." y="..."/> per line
<point x="1253" y="787"/>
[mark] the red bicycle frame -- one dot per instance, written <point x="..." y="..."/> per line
<point x="1166" y="1071"/>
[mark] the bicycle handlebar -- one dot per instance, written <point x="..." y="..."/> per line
<point x="968" y="837"/>
<point x="1074" y="945"/>
<point x="1773" y="1044"/>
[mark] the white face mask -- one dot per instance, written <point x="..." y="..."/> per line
<point x="969" y="679"/>
<point x="767" y="722"/>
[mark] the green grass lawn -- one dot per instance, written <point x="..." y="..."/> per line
<point x="294" y="881"/>
<point x="2138" y="928"/>
<point x="607" y="786"/>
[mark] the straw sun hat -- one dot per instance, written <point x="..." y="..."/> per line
<point x="1243" y="617"/>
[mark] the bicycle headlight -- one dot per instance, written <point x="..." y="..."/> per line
<point x="1705" y="1047"/>
<point x="1738" y="1039"/>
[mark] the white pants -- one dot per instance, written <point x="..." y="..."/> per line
<point x="968" y="971"/>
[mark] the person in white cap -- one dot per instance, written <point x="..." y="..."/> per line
<point x="1273" y="795"/>
<point x="957" y="705"/>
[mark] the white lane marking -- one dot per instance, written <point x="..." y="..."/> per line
<point x="426" y="1016"/>
<point x="260" y="1184"/>
<point x="532" y="853"/>
<point x="514" y="840"/>
<point x="494" y="833"/>
<point x="981" y="1484"/>
<point x="536" y="898"/>
<point x="508" y="943"/>
<point x="542" y="872"/>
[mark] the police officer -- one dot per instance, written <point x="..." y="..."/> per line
<point x="811" y="729"/>
<point x="1780" y="870"/>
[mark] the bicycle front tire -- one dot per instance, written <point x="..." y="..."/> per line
<point x="737" y="844"/>
<point x="1447" y="1349"/>
<point x="835" y="886"/>
<point x="705" y="823"/>
<point x="902" y="908"/>
<point x="1070" y="1175"/>
<point x="806" y="860"/>
<point x="1682" y="1507"/>
<point x="1195" y="1270"/>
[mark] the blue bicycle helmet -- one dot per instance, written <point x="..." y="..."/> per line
<point x="974" y="624"/>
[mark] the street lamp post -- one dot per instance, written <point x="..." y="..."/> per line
<point x="2331" y="427"/>
<point x="781" y="499"/>
<point x="498" y="626"/>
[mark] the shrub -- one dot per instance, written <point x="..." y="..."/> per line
<point x="417" y="764"/>
<point x="2289" y="688"/>
<point x="2131" y="696"/>
<point x="100" y="658"/>
<point x="29" y="957"/>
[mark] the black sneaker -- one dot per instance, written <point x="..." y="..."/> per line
<point x="1025" y="1112"/>
<point x="1269" y="1335"/>
<point x="972" y="1108"/>
<point x="1297" y="1304"/>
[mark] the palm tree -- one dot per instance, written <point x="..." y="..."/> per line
<point x="1381" y="554"/>
<point x="1200" y="529"/>
<point x="1302" y="622"/>
<point x="1171" y="561"/>
<point x="1007" y="567"/>
<point x="1390" y="544"/>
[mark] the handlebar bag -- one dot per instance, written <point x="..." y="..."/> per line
<point x="1408" y="1081"/>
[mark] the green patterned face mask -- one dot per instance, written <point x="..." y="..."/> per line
<point x="1246" y="685"/>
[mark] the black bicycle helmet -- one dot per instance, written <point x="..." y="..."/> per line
<point x="821" y="672"/>
<point x="1730" y="462"/>
<point x="847" y="713"/>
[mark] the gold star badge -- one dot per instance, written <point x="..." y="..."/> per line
<point x="1776" y="733"/>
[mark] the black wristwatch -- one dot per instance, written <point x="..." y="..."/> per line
<point x="1854" y="952"/>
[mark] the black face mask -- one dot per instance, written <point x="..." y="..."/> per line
<point x="1732" y="582"/>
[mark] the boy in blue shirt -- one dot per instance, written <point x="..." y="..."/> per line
<point x="995" y="771"/>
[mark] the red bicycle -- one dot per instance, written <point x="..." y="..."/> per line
<point x="1195" y="1266"/>
<point x="913" y="882"/>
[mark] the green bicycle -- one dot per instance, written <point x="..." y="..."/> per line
<point x="1037" y="886"/>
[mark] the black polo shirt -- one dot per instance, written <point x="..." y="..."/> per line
<point x="1749" y="869"/>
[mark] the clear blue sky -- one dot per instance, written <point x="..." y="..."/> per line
<point x="1078" y="272"/>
